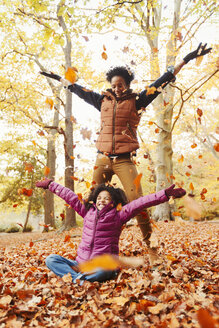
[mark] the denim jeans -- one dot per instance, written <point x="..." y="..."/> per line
<point x="61" y="266"/>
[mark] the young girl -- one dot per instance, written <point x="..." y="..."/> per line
<point x="102" y="224"/>
<point x="121" y="111"/>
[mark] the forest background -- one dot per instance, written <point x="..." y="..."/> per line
<point x="47" y="131"/>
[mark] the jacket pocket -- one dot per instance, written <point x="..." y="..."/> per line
<point x="131" y="131"/>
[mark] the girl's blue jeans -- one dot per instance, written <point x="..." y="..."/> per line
<point x="61" y="266"/>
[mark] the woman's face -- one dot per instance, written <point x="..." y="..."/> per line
<point x="103" y="199"/>
<point x="118" y="85"/>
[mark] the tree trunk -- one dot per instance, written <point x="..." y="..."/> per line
<point x="164" y="168"/>
<point x="49" y="210"/>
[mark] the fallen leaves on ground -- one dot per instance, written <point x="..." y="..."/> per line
<point x="182" y="292"/>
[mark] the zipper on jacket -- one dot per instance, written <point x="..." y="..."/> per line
<point x="114" y="117"/>
<point x="130" y="129"/>
<point x="92" y="243"/>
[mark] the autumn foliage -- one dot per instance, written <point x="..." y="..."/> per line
<point x="179" y="293"/>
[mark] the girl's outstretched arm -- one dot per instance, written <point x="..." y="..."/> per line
<point x="67" y="194"/>
<point x="136" y="206"/>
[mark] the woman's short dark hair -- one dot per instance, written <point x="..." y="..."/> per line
<point x="122" y="71"/>
<point x="118" y="196"/>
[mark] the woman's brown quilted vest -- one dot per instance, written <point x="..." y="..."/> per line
<point x="119" y="121"/>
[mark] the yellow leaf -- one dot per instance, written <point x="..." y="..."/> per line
<point x="71" y="75"/>
<point x="34" y="142"/>
<point x="106" y="262"/>
<point x="49" y="102"/>
<point x="191" y="186"/>
<point x="150" y="90"/>
<point x="88" y="184"/>
<point x="194" y="145"/>
<point x="176" y="213"/>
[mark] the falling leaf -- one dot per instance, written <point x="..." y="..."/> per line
<point x="150" y="90"/>
<point x="119" y="207"/>
<point x="157" y="130"/>
<point x="216" y="147"/>
<point x="199" y="112"/>
<point x="71" y="75"/>
<point x="25" y="192"/>
<point x="62" y="215"/>
<point x="73" y="119"/>
<point x="181" y="159"/>
<point x="49" y="103"/>
<point x="155" y="50"/>
<point x="189" y="166"/>
<point x="198" y="60"/>
<point x="200" y="156"/>
<point x="85" y="38"/>
<point x="205" y="319"/>
<point x="104" y="55"/>
<point x="80" y="197"/>
<point x="191" y="187"/>
<point x="72" y="157"/>
<point x="86" y="134"/>
<point x="104" y="48"/>
<point x="15" y="205"/>
<point x="95" y="167"/>
<point x="28" y="167"/>
<point x="150" y="123"/>
<point x="188" y="174"/>
<point x="137" y="181"/>
<point x="46" y="170"/>
<point x="88" y="184"/>
<point x="204" y="191"/>
<point x="41" y="133"/>
<point x="34" y="142"/>
<point x="194" y="145"/>
<point x="125" y="50"/>
<point x="31" y="244"/>
<point x="192" y="208"/>
<point x="74" y="178"/>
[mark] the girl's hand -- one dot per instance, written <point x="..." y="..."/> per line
<point x="200" y="51"/>
<point x="175" y="193"/>
<point x="44" y="183"/>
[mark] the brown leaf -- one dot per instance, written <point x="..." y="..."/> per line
<point x="199" y="112"/>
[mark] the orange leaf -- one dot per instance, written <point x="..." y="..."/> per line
<point x="204" y="190"/>
<point x="104" y="55"/>
<point x="71" y="75"/>
<point x="194" y="145"/>
<point x="157" y="130"/>
<point x="62" y="216"/>
<point x="171" y="258"/>
<point x="155" y="50"/>
<point x="80" y="197"/>
<point x="191" y="186"/>
<point x="31" y="243"/>
<point x="72" y="157"/>
<point x="216" y="147"/>
<point x="15" y="205"/>
<point x="205" y="319"/>
<point x="200" y="156"/>
<point x="150" y="90"/>
<point x="150" y="123"/>
<point x="95" y="167"/>
<point x="189" y="166"/>
<point x="188" y="174"/>
<point x="88" y="184"/>
<point x="181" y="159"/>
<point x="28" y="167"/>
<point x="137" y="181"/>
<point x="74" y="178"/>
<point x="49" y="102"/>
<point x="46" y="170"/>
<point x="67" y="238"/>
<point x="104" y="48"/>
<point x="119" y="207"/>
<point x="105" y="261"/>
<point x="34" y="142"/>
<point x="26" y="192"/>
<point x="176" y="214"/>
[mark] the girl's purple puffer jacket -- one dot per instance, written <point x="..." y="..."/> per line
<point x="102" y="229"/>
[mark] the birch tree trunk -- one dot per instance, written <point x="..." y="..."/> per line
<point x="70" y="218"/>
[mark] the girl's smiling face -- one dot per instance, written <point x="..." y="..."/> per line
<point x="118" y="85"/>
<point x="103" y="199"/>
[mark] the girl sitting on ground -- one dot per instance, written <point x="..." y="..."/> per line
<point x="104" y="212"/>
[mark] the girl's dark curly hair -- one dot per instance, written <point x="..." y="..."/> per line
<point x="122" y="71"/>
<point x="118" y="196"/>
